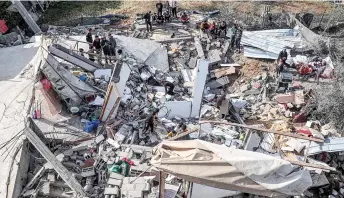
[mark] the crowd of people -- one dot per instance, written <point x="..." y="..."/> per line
<point x="164" y="13"/>
<point x="220" y="29"/>
<point x="102" y="45"/>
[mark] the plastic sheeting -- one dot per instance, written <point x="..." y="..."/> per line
<point x="227" y="168"/>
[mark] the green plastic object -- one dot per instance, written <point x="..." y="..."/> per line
<point x="125" y="168"/>
<point x="115" y="168"/>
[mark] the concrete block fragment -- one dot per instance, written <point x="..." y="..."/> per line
<point x="131" y="194"/>
<point x="116" y="176"/>
<point x="135" y="180"/>
<point x="112" y="191"/>
<point x="115" y="182"/>
<point x="136" y="187"/>
<point x="192" y="62"/>
<point x="99" y="138"/>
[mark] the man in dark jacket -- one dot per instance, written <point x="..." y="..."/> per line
<point x="233" y="30"/>
<point x="89" y="38"/>
<point x="282" y="57"/>
<point x="159" y="8"/>
<point x="106" y="48"/>
<point x="148" y="21"/>
<point x="238" y="36"/>
<point x="112" y="45"/>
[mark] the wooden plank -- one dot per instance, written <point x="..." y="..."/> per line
<point x="180" y="135"/>
<point x="224" y="71"/>
<point x="265" y="130"/>
<point x="230" y="65"/>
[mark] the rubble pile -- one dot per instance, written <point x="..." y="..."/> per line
<point x="267" y="114"/>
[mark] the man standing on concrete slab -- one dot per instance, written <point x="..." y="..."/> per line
<point x="113" y="45"/>
<point x="173" y="4"/>
<point x="238" y="36"/>
<point x="89" y="38"/>
<point x="148" y="21"/>
<point x="233" y="30"/>
<point x="222" y="28"/>
<point x="106" y="48"/>
<point x="159" y="7"/>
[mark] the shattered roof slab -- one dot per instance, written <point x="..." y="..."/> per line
<point x="145" y="51"/>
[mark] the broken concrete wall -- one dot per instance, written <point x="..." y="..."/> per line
<point x="308" y="34"/>
<point x="181" y="109"/>
<point x="21" y="175"/>
<point x="120" y="87"/>
<point x="145" y="51"/>
<point x="199" y="85"/>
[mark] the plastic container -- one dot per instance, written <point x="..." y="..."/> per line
<point x="83" y="77"/>
<point x="89" y="126"/>
<point x="95" y="123"/>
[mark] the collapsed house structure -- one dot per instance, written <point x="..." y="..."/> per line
<point x="86" y="135"/>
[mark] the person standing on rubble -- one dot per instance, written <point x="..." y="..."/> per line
<point x="89" y="38"/>
<point x="173" y="4"/>
<point x="112" y="45"/>
<point x="96" y="44"/>
<point x="159" y="7"/>
<point x="106" y="48"/>
<point x="222" y="28"/>
<point x="233" y="30"/>
<point x="238" y="36"/>
<point x="282" y="57"/>
<point x="148" y="21"/>
<point x="150" y="122"/>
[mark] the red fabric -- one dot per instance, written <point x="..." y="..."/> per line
<point x="3" y="26"/>
<point x="305" y="70"/>
<point x="184" y="19"/>
<point x="46" y="84"/>
<point x="306" y="132"/>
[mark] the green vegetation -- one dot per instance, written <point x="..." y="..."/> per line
<point x="63" y="10"/>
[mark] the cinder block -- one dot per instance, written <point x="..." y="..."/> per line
<point x="115" y="182"/>
<point x="136" y="187"/>
<point x="116" y="176"/>
<point x="131" y="194"/>
<point x="138" y="180"/>
<point x="112" y="191"/>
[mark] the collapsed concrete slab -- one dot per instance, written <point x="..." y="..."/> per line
<point x="145" y="51"/>
<point x="58" y="167"/>
<point x="199" y="85"/>
<point x="72" y="57"/>
<point x="66" y="84"/>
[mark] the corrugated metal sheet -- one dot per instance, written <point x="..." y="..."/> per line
<point x="258" y="53"/>
<point x="277" y="32"/>
<point x="270" y="44"/>
<point x="329" y="145"/>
